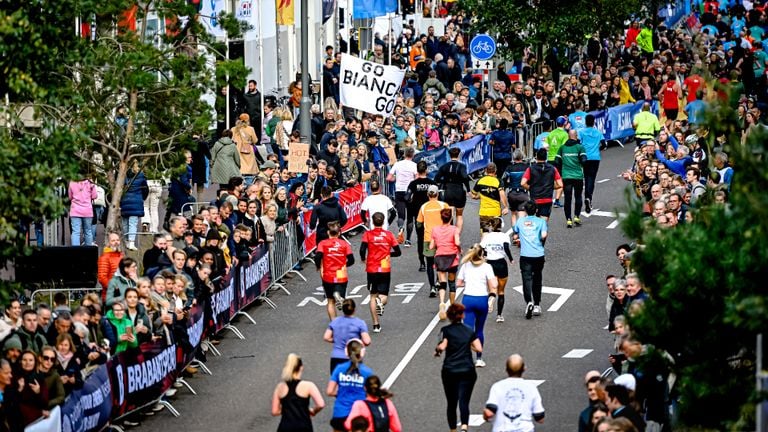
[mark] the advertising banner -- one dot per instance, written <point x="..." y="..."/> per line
<point x="350" y="200"/>
<point x="88" y="408"/>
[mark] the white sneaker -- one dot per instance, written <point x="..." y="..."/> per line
<point x="441" y="314"/>
<point x="131" y="246"/>
<point x="499" y="319"/>
<point x="379" y="307"/>
<point x="537" y="310"/>
<point x="479" y="363"/>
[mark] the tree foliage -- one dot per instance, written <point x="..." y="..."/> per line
<point x="707" y="286"/>
<point x="130" y="96"/>
<point x="552" y="23"/>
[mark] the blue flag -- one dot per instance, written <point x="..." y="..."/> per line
<point x="328" y="8"/>
<point x="372" y="8"/>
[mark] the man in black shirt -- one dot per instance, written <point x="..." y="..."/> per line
<point x="416" y="196"/>
<point x="453" y="179"/>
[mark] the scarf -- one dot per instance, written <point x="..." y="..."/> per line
<point x="64" y="358"/>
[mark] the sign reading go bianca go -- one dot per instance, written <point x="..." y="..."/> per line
<point x="369" y="86"/>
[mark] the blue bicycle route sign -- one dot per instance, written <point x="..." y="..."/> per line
<point x="482" y="47"/>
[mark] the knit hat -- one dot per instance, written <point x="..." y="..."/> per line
<point x="12" y="343"/>
<point x="213" y="235"/>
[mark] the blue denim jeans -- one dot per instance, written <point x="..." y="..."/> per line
<point x="130" y="227"/>
<point x="80" y="226"/>
<point x="98" y="212"/>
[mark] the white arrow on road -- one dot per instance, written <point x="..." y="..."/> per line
<point x="563" y="293"/>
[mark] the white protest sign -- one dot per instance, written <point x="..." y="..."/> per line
<point x="369" y="86"/>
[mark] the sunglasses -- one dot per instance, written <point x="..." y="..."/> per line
<point x="47" y="358"/>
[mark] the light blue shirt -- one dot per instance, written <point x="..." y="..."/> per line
<point x="539" y="141"/>
<point x="530" y="229"/>
<point x="578" y="120"/>
<point x="590" y="138"/>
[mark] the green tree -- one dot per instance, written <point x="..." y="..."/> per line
<point x="132" y="97"/>
<point x="706" y="282"/>
<point x="547" y="23"/>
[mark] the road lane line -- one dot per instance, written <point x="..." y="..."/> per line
<point x="613" y="224"/>
<point x="415" y="348"/>
<point x="603" y="180"/>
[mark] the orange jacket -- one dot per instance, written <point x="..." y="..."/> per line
<point x="107" y="265"/>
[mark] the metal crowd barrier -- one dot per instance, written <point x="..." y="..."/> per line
<point x="73" y="295"/>
<point x="533" y="131"/>
<point x="285" y="253"/>
<point x="192" y="208"/>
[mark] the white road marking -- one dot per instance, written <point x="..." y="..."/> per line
<point x="415" y="348"/>
<point x="563" y="293"/>
<point x="613" y="224"/>
<point x="510" y="231"/>
<point x="577" y="353"/>
<point x="603" y="180"/>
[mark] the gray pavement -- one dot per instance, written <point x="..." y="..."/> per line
<point x="237" y="397"/>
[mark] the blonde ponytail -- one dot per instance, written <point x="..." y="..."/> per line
<point x="292" y="365"/>
<point x="475" y="255"/>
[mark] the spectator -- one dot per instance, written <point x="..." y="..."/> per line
<point x="225" y="159"/>
<point x="44" y="316"/>
<point x="122" y="327"/>
<point x="81" y="194"/>
<point x="29" y="336"/>
<point x="33" y="394"/>
<point x="109" y="261"/>
<point x="135" y="192"/>
<point x="125" y="278"/>
<point x="68" y="365"/>
<point x="50" y="378"/>
<point x="11" y="319"/>
<point x="137" y="314"/>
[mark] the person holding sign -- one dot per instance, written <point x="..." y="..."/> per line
<point x="332" y="258"/>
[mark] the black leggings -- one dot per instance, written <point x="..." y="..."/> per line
<point x="430" y="270"/>
<point x="401" y="205"/>
<point x="572" y="187"/>
<point x="458" y="390"/>
<point x="420" y="242"/>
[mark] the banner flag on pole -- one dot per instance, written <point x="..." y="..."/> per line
<point x="328" y="7"/>
<point x="362" y="9"/>
<point x="369" y="86"/>
<point x="285" y="12"/>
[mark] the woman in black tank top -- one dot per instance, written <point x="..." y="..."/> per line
<point x="291" y="398"/>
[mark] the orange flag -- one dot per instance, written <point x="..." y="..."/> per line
<point x="285" y="12"/>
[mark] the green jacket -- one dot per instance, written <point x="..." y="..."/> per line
<point x="120" y="326"/>
<point x="55" y="387"/>
<point x="569" y="159"/>
<point x="555" y="140"/>
<point x="225" y="161"/>
<point x="645" y="40"/>
<point x="116" y="288"/>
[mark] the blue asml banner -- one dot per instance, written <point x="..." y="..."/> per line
<point x="616" y="122"/>
<point x="475" y="154"/>
<point x="88" y="408"/>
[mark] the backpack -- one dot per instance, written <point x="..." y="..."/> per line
<point x="380" y="415"/>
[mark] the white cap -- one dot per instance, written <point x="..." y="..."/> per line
<point x="626" y="380"/>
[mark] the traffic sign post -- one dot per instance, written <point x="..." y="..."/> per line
<point x="482" y="47"/>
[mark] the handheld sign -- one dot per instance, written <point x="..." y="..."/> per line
<point x="298" y="153"/>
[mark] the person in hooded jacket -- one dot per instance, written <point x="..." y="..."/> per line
<point x="225" y="159"/>
<point x="326" y="211"/>
<point x="124" y="278"/>
<point x="132" y="203"/>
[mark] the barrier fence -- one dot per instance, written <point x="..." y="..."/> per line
<point x="46" y="295"/>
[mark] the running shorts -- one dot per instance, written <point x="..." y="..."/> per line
<point x="378" y="283"/>
<point x="447" y="263"/>
<point x="500" y="268"/>
<point x="330" y="288"/>
<point x="516" y="200"/>
<point x="455" y="197"/>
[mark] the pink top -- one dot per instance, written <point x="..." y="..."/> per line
<point x="443" y="236"/>
<point x="81" y="195"/>
<point x="359" y="408"/>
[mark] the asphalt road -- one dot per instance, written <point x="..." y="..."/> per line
<point x="237" y="397"/>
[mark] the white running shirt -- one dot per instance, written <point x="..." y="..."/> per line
<point x="516" y="401"/>
<point x="405" y="172"/>
<point x="476" y="278"/>
<point x="377" y="204"/>
<point x="493" y="243"/>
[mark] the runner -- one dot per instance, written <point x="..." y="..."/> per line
<point x="541" y="179"/>
<point x="453" y="179"/>
<point x="592" y="139"/>
<point x="377" y="203"/>
<point x="379" y="245"/>
<point x="516" y="194"/>
<point x="555" y="140"/>
<point x="332" y="258"/>
<point x="569" y="161"/>
<point x="417" y="197"/>
<point x="343" y="329"/>
<point x="428" y="218"/>
<point x="496" y="245"/>
<point x="514" y="403"/>
<point x="479" y="282"/>
<point x="291" y="398"/>
<point x="446" y="243"/>
<point x="532" y="234"/>
<point x="493" y="203"/>
<point x="670" y="95"/>
<point x="458" y="341"/>
<point x="346" y="383"/>
<point x="403" y="173"/>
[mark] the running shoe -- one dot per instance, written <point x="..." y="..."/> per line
<point x="377" y="328"/>
<point x="441" y="314"/>
<point x="557" y="204"/>
<point x="529" y="310"/>
<point x="500" y="319"/>
<point x="537" y="310"/>
<point x="588" y="205"/>
<point x="577" y="221"/>
<point x="479" y="363"/>
<point x="422" y="268"/>
<point x="379" y="307"/>
<point x="407" y="243"/>
<point x="569" y="224"/>
<point x="339" y="300"/>
<point x="433" y="292"/>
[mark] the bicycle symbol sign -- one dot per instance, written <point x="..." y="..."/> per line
<point x="483" y="47"/>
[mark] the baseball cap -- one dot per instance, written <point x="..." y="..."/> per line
<point x="562" y="120"/>
<point x="626" y="380"/>
<point x="268" y="165"/>
<point x="433" y="190"/>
